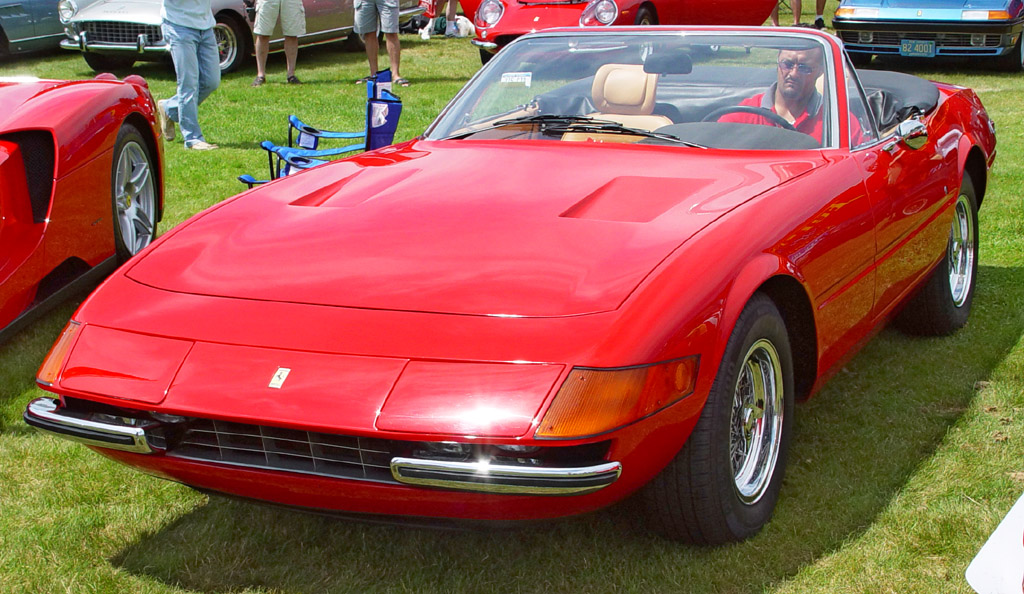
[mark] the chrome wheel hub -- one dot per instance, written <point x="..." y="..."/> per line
<point x="961" y="251"/>
<point x="135" y="198"/>
<point x="227" y="45"/>
<point x="755" y="428"/>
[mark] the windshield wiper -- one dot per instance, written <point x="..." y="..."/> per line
<point x="542" y="119"/>
<point x="609" y="127"/>
<point x="553" y="124"/>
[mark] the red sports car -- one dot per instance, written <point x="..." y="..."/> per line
<point x="498" y="22"/>
<point x="80" y="186"/>
<point x="658" y="250"/>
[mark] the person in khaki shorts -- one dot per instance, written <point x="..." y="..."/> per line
<point x="367" y="13"/>
<point x="293" y="24"/>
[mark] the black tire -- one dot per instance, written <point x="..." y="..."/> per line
<point x="860" y="60"/>
<point x="133" y="193"/>
<point x="485" y="56"/>
<point x="707" y="495"/>
<point x="105" y="63"/>
<point x="353" y="43"/>
<point x="645" y="16"/>
<point x="944" y="303"/>
<point x="233" y="42"/>
<point x="1014" y="61"/>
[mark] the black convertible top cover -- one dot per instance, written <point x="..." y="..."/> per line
<point x="895" y="96"/>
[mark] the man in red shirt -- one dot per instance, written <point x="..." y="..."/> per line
<point x="793" y="96"/>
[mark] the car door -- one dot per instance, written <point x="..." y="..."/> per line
<point x="20" y="237"/>
<point x="910" y="189"/>
<point x="15" y="22"/>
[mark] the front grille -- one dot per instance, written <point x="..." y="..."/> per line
<point x="118" y="32"/>
<point x="261" y="446"/>
<point x="310" y="452"/>
<point x="940" y="39"/>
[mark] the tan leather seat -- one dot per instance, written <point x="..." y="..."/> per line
<point x="624" y="93"/>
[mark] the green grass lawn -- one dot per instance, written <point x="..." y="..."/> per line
<point x="899" y="469"/>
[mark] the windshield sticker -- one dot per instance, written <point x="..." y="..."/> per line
<point x="517" y="78"/>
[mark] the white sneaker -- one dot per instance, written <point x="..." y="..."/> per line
<point x="425" y="33"/>
<point x="166" y="123"/>
<point x="451" y="29"/>
<point x="201" y="145"/>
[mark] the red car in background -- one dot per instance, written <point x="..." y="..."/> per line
<point x="498" y="22"/>
<point x="81" y="186"/>
<point x="632" y="299"/>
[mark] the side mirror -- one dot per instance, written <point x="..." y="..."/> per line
<point x="912" y="133"/>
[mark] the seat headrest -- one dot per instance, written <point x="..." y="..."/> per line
<point x="624" y="89"/>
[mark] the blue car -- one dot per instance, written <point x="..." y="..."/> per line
<point x="932" y="28"/>
<point x="27" y="25"/>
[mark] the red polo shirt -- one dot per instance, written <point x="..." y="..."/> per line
<point x="809" y="122"/>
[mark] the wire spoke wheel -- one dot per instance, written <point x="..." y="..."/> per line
<point x="755" y="436"/>
<point x="961" y="252"/>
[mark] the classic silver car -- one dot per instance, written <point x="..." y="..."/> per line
<point x="114" y="34"/>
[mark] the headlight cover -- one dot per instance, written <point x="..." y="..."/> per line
<point x="67" y="9"/>
<point x="599" y="13"/>
<point x="985" y="15"/>
<point x="489" y="13"/>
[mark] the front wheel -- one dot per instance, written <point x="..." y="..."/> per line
<point x="231" y="43"/>
<point x="134" y="194"/>
<point x="645" y="17"/>
<point x="943" y="305"/>
<point x="485" y="56"/>
<point x="1014" y="61"/>
<point x="723" y="485"/>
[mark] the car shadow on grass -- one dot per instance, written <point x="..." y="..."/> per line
<point x="855" y="446"/>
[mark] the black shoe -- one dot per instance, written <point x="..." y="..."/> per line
<point x="819" y="23"/>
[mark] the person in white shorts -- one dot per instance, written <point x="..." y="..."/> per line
<point x="293" y="23"/>
<point x="368" y="12"/>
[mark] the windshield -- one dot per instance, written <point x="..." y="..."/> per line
<point x="765" y="91"/>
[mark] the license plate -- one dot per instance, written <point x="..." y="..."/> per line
<point x="917" y="48"/>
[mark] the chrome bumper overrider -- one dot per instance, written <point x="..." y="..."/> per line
<point x="487" y="45"/>
<point x="509" y="480"/>
<point x="43" y="413"/>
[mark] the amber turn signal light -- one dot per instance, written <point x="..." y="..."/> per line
<point x="50" y="368"/>
<point x="595" y="401"/>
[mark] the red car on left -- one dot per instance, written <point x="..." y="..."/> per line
<point x="81" y="186"/>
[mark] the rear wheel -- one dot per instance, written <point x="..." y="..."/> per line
<point x="232" y="43"/>
<point x="104" y="63"/>
<point x="943" y="305"/>
<point x="723" y="485"/>
<point x="133" y="191"/>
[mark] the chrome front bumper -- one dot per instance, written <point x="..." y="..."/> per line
<point x="44" y="414"/>
<point x="493" y="478"/>
<point x="128" y="434"/>
<point x="141" y="46"/>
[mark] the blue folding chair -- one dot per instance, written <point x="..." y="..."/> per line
<point x="383" y="110"/>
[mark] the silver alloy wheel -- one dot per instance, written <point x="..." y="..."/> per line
<point x="755" y="427"/>
<point x="134" y="197"/>
<point x="961" y="251"/>
<point x="227" y="44"/>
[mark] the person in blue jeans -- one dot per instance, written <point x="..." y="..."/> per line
<point x="188" y="28"/>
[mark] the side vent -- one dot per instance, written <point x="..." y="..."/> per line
<point x="38" y="155"/>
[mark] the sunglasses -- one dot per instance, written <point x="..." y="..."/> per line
<point x="787" y="65"/>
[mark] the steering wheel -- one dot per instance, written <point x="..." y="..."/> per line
<point x="759" y="111"/>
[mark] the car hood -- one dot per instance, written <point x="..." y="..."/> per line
<point x="131" y="11"/>
<point x="531" y="228"/>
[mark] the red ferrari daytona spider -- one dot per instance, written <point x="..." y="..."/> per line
<point x="80" y="186"/>
<point x="671" y="246"/>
